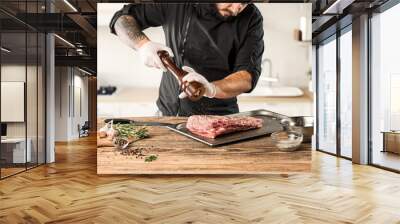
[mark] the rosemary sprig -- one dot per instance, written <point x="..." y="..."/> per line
<point x="142" y="133"/>
<point x="129" y="131"/>
<point x="150" y="158"/>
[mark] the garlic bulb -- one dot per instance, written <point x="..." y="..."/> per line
<point x="107" y="130"/>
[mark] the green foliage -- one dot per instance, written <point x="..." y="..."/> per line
<point x="142" y="133"/>
<point x="150" y="158"/>
<point x="129" y="131"/>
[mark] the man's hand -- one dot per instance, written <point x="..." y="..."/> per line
<point x="148" y="54"/>
<point x="131" y="34"/>
<point x="192" y="75"/>
<point x="231" y="86"/>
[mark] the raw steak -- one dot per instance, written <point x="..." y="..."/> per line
<point x="212" y="126"/>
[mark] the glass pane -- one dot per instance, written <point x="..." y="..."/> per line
<point x="31" y="98"/>
<point x="32" y="86"/>
<point x="41" y="99"/>
<point x="13" y="87"/>
<point x="385" y="86"/>
<point x="327" y="97"/>
<point x="23" y="89"/>
<point x="346" y="94"/>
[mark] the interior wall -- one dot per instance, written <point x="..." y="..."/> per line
<point x="62" y="82"/>
<point x="71" y="102"/>
<point x="80" y="103"/>
<point x="290" y="58"/>
<point x="17" y="73"/>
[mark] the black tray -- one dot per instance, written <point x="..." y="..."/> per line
<point x="272" y="123"/>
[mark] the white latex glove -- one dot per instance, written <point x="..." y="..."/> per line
<point x="192" y="75"/>
<point x="148" y="54"/>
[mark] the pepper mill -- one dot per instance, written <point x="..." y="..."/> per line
<point x="194" y="90"/>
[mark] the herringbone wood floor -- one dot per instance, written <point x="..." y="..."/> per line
<point x="69" y="191"/>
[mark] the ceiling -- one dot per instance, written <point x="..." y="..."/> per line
<point x="332" y="15"/>
<point x="74" y="22"/>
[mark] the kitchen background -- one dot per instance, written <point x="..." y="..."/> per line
<point x="128" y="88"/>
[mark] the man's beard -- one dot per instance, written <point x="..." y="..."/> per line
<point x="212" y="9"/>
<point x="218" y="14"/>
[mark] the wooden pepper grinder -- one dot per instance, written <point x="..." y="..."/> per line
<point x="194" y="90"/>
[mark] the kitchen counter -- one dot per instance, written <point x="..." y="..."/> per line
<point x="140" y="101"/>
<point x="290" y="106"/>
<point x="178" y="154"/>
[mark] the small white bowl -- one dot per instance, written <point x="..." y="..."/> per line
<point x="289" y="140"/>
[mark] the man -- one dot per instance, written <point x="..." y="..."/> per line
<point x="219" y="44"/>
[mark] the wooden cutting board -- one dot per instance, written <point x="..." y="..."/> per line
<point x="178" y="154"/>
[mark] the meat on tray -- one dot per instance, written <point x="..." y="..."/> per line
<point x="210" y="126"/>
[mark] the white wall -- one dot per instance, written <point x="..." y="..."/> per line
<point x="80" y="103"/>
<point x="17" y="73"/>
<point x="33" y="127"/>
<point x="290" y="58"/>
<point x="69" y="82"/>
<point x="14" y="73"/>
<point x="61" y="103"/>
<point x="119" y="65"/>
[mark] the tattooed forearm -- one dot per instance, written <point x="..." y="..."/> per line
<point x="130" y="31"/>
<point x="233" y="85"/>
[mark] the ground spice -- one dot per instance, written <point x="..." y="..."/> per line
<point x="138" y="153"/>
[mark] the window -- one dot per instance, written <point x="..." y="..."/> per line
<point x="346" y="93"/>
<point x="326" y="130"/>
<point x="385" y="89"/>
<point x="334" y="106"/>
<point x="22" y="77"/>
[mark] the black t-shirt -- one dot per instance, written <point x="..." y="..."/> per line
<point x="212" y="46"/>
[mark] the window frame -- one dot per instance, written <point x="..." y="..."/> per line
<point x="334" y="37"/>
